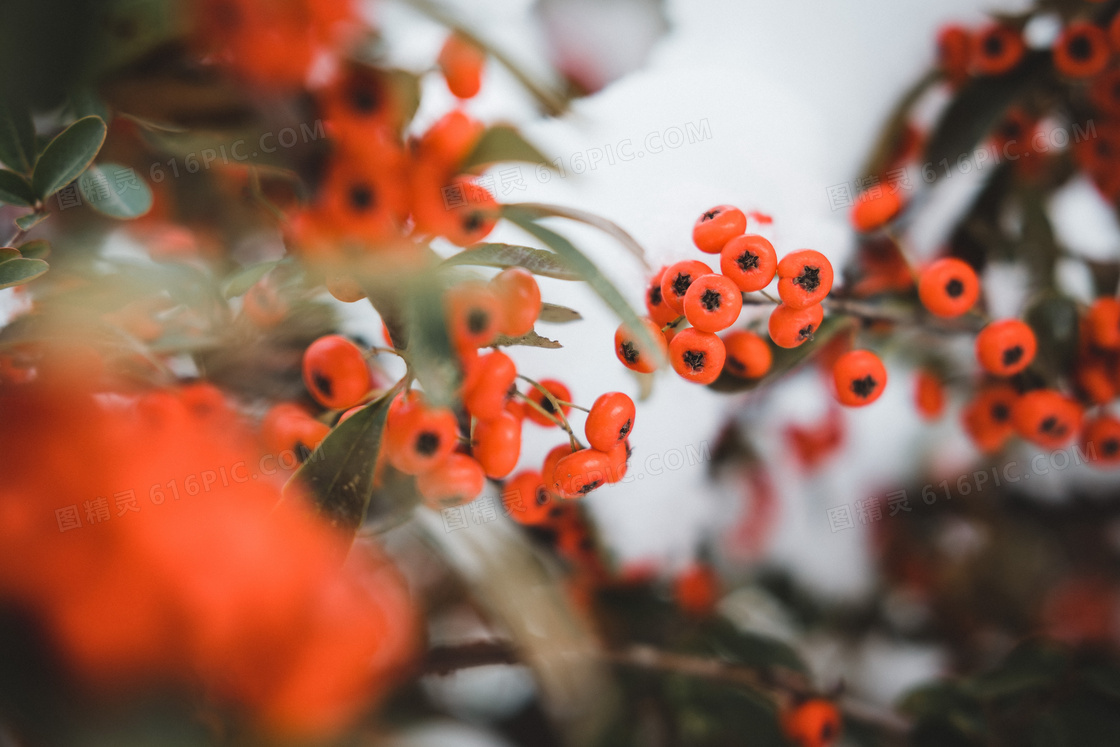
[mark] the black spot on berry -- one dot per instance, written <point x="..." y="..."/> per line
<point x="655" y="296"/>
<point x="473" y="221"/>
<point x="630" y="352"/>
<point x="711" y="300"/>
<point x="590" y="486"/>
<point x="477" y="321"/>
<point x="427" y="443"/>
<point x="1012" y="355"/>
<point x="827" y="732"/>
<point x="809" y="279"/>
<point x="322" y="382"/>
<point x="1080" y="48"/>
<point x="625" y="429"/>
<point x="556" y="512"/>
<point x="710" y="215"/>
<point x="694" y="359"/>
<point x="747" y="261"/>
<point x="361" y="197"/>
<point x="735" y="364"/>
<point x="1110" y="447"/>
<point x="993" y="45"/>
<point x="542" y="496"/>
<point x="546" y="405"/>
<point x="805" y="332"/>
<point x="1000" y="412"/>
<point x="681" y="283"/>
<point x="363" y="97"/>
<point x="864" y="387"/>
<point x="954" y="288"/>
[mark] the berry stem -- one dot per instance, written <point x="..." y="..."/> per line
<point x="574" y="406"/>
<point x="768" y="297"/>
<point x="561" y="421"/>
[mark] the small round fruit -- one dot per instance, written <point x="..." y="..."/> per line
<point x="456" y="480"/>
<point x="804" y="278"/>
<point x="875" y="208"/>
<point x="551" y="459"/>
<point x="697" y="356"/>
<point x="610" y="421"/>
<point x="749" y="261"/>
<point x="948" y="287"/>
<point x="633" y="351"/>
<point x="496" y="444"/>
<point x="677" y="279"/>
<point x="619" y="457"/>
<point x="1101" y="437"/>
<point x="748" y="355"/>
<point x="474" y="314"/>
<point x="559" y="391"/>
<point x="288" y="427"/>
<point x="335" y="372"/>
<point x="520" y="299"/>
<point x="713" y="303"/>
<point x="659" y="311"/>
<point x="790" y="328"/>
<point x="1082" y="50"/>
<point x="860" y="378"/>
<point x="715" y="227"/>
<point x="488" y="384"/>
<point x="1103" y="323"/>
<point x="462" y="63"/>
<point x="814" y="723"/>
<point x="1006" y="347"/>
<point x="1047" y="418"/>
<point x="527" y="499"/>
<point x="423" y="438"/>
<point x="987" y="418"/>
<point x="996" y="49"/>
<point x="696" y="590"/>
<point x="580" y="472"/>
<point x="929" y="395"/>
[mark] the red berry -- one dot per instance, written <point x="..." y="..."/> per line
<point x="462" y="62"/>
<point x="659" y="311"/>
<point x="875" y="208"/>
<point x="527" y="499"/>
<point x="422" y="438"/>
<point x="1005" y="347"/>
<point x="954" y="50"/>
<point x="697" y="356"/>
<point x="676" y="280"/>
<point x="634" y="353"/>
<point x="556" y="389"/>
<point x="551" y="459"/>
<point x="996" y="49"/>
<point x="474" y="314"/>
<point x="748" y="355"/>
<point x="288" y="427"/>
<point x="487" y="387"/>
<point x="987" y="418"/>
<point x="520" y="299"/>
<point x="610" y="421"/>
<point x="860" y="378"/>
<point x="1047" y="418"/>
<point x="450" y="140"/>
<point x="696" y="590"/>
<point x="929" y="395"/>
<point x="712" y="303"/>
<point x="1082" y="50"/>
<point x="948" y="287"/>
<point x="619" y="457"/>
<point x="715" y="227"/>
<point x="496" y="444"/>
<point x="1102" y="323"/>
<point x="1101" y="437"/>
<point x="804" y="278"/>
<point x="749" y="261"/>
<point x="457" y="479"/>
<point x="580" y="472"/>
<point x="814" y="723"/>
<point x="335" y="372"/>
<point x="790" y="328"/>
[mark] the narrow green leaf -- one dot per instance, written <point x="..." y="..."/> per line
<point x="784" y="359"/>
<point x="530" y="339"/>
<point x="502" y="143"/>
<point x="68" y="155"/>
<point x="536" y="261"/>
<point x="556" y="314"/>
<point x="21" y="270"/>
<point x="406" y="92"/>
<point x="15" y="189"/>
<point x="17" y="138"/>
<point x="9" y="252"/>
<point x="37" y="249"/>
<point x="245" y="278"/>
<point x="538" y="210"/>
<point x="115" y="191"/>
<point x="586" y="269"/>
<point x="339" y="473"/>
<point x="429" y="344"/>
<point x="29" y="221"/>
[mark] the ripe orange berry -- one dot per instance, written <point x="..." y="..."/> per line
<point x="875" y="208"/>
<point x="697" y="356"/>
<point x="619" y="458"/>
<point x="488" y="384"/>
<point x="527" y="499"/>
<point x="954" y="50"/>
<point x="860" y="378"/>
<point x="288" y="427"/>
<point x="996" y="50"/>
<point x="748" y="355"/>
<point x="717" y="226"/>
<point x="421" y="438"/>
<point x="551" y="459"/>
<point x="1101" y="436"/>
<point x="1006" y="347"/>
<point x="659" y="311"/>
<point x="496" y="444"/>
<point x="1096" y="379"/>
<point x="712" y="303"/>
<point x="633" y="352"/>
<point x="450" y="140"/>
<point x="790" y="328"/>
<point x="456" y="480"/>
<point x="929" y="394"/>
<point x="462" y="63"/>
<point x="1081" y="51"/>
<point x="556" y="389"/>
<point x="749" y="261"/>
<point x="1104" y="94"/>
<point x="804" y="278"/>
<point x="814" y="723"/>
<point x="610" y="421"/>
<point x="696" y="590"/>
<point x="473" y="220"/>
<point x="335" y="372"/>
<point x="474" y="313"/>
<point x="580" y="472"/>
<point x="948" y="287"/>
<point x="520" y="297"/>
<point x="1047" y="418"/>
<point x="676" y="280"/>
<point x="1102" y="322"/>
<point x="987" y="418"/>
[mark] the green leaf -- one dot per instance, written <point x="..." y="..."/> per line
<point x="9" y="252"/>
<point x="21" y="270"/>
<point x="245" y="278"/>
<point x="15" y="189"/>
<point x="429" y="344"/>
<point x="784" y="359"/>
<point x="1054" y="320"/>
<point x="406" y="91"/>
<point x="29" y="221"/>
<point x="575" y="259"/>
<point x="339" y="473"/>
<point x="536" y="261"/>
<point x="68" y="155"/>
<point x="556" y="314"/>
<point x="37" y="249"/>
<point x="530" y="339"/>
<point x="1032" y="666"/>
<point x="502" y="143"/>
<point x="538" y="210"/>
<point x="115" y="191"/>
<point x="17" y="138"/>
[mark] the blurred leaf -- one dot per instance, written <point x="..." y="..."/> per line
<point x="1031" y="666"/>
<point x="1103" y="678"/>
<point x="538" y="210"/>
<point x="29" y="221"/>
<point x="115" y="191"/>
<point x="536" y="261"/>
<point x="37" y="249"/>
<point x="68" y="155"/>
<point x="530" y="339"/>
<point x="1054" y="320"/>
<point x="17" y="138"/>
<point x="750" y="649"/>
<point x="587" y="269"/>
<point x="784" y="359"/>
<point x="502" y="143"/>
<point x="406" y="90"/>
<point x="86" y="103"/>
<point x="339" y="473"/>
<point x="429" y="344"/>
<point x="21" y="270"/>
<point x="9" y="252"/>
<point x="556" y="314"/>
<point x="15" y="190"/>
<point x="245" y="278"/>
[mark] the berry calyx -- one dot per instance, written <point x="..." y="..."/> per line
<point x="996" y="50"/>
<point x="987" y="418"/>
<point x="791" y="328"/>
<point x="804" y="278"/>
<point x="474" y="313"/>
<point x="422" y="438"/>
<point x="610" y="421"/>
<point x="1006" y="347"/>
<point x="949" y="287"/>
<point x="697" y="356"/>
<point x="527" y="499"/>
<point x="335" y="372"/>
<point x="715" y="227"/>
<point x="659" y="311"/>
<point x="1101" y="436"/>
<point x="713" y="303"/>
<point x="1082" y="50"/>
<point x="860" y="378"/>
<point x="749" y="261"/>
